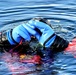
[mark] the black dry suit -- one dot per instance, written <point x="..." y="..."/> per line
<point x="4" y="44"/>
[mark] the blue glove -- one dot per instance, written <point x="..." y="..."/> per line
<point x="47" y="37"/>
<point x="14" y="36"/>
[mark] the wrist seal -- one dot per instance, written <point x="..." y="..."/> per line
<point x="59" y="44"/>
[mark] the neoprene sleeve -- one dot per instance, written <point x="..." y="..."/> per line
<point x="59" y="44"/>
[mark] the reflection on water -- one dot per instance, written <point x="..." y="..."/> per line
<point x="15" y="67"/>
<point x="62" y="15"/>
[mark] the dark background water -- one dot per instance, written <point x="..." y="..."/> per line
<point x="62" y="14"/>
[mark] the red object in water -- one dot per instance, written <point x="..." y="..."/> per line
<point x="36" y="59"/>
<point x="71" y="46"/>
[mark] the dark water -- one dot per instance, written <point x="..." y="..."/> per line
<point x="62" y="14"/>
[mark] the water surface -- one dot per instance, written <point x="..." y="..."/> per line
<point x="62" y="14"/>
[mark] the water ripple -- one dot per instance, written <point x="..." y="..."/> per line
<point x="51" y="11"/>
<point x="63" y="19"/>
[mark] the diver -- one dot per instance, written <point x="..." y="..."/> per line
<point x="40" y="28"/>
<point x="38" y="31"/>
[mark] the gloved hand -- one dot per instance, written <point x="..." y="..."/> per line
<point x="15" y="35"/>
<point x="47" y="36"/>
